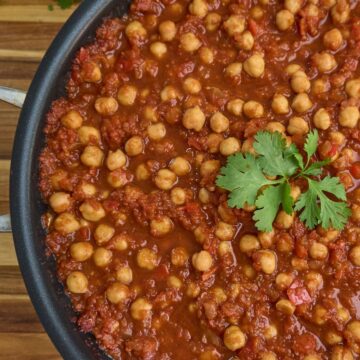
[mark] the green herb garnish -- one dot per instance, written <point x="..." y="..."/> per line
<point x="264" y="181"/>
<point x="64" y="4"/>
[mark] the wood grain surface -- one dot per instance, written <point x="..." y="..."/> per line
<point x="27" y="28"/>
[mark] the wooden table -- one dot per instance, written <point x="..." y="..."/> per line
<point x="26" y="30"/>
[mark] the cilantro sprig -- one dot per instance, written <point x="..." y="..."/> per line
<point x="264" y="180"/>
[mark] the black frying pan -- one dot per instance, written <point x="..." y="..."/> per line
<point x="47" y="295"/>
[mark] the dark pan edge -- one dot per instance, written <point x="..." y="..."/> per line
<point x="47" y="295"/>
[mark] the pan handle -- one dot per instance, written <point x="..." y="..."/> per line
<point x="12" y="96"/>
<point x="17" y="98"/>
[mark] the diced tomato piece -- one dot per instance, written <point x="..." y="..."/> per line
<point x="355" y="170"/>
<point x="298" y="294"/>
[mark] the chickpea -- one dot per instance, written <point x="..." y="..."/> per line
<point x="169" y="92"/>
<point x="193" y="119"/>
<point x="284" y="220"/>
<point x="192" y="85"/>
<point x="142" y="172"/>
<point x="283" y="280"/>
<point x="235" y="24"/>
<point x="121" y="242"/>
<point x="254" y="66"/>
<point x="293" y="5"/>
<point x="60" y="201"/>
<point x="341" y="353"/>
<point x="92" y="156"/>
<point x="81" y="251"/>
<point x="212" y="21"/>
<point x="102" y="257"/>
<point x="106" y="106"/>
<point x="342" y="314"/>
<point x="200" y="234"/>
<point x="340" y="12"/>
<point x="124" y="275"/>
<point x="66" y="223"/>
<point x="266" y="238"/>
<point x="352" y="88"/>
<point x="127" y="95"/>
<point x="269" y="355"/>
<point x="179" y="256"/>
<point x="213" y="142"/>
<point x="355" y="213"/>
<point x="198" y="8"/>
<point x="249" y="243"/>
<point x="189" y="42"/>
<point x="161" y="226"/>
<point x="333" y="338"/>
<point x="234" y="338"/>
<point x="333" y="39"/>
<point x="233" y="69"/>
<point x="353" y="331"/>
<point x="285" y="306"/>
<point x="156" y="131"/>
<point x="140" y="309"/>
<point x="229" y="146"/>
<point x="349" y="116"/>
<point x="280" y="104"/>
<point x="180" y="166"/>
<point x="209" y="167"/>
<point x="300" y="82"/>
<point x="256" y="12"/>
<point x="301" y="103"/>
<point x="324" y="61"/>
<point x="91" y="72"/>
<point x="77" y="282"/>
<point x="354" y="255"/>
<point x="270" y="332"/>
<point x="284" y="20"/>
<point x="72" y="120"/>
<point x="320" y="86"/>
<point x="295" y="192"/>
<point x="224" y="248"/>
<point x="178" y="196"/>
<point x="135" y="31"/>
<point x="147" y="259"/>
<point x="266" y="260"/>
<point x="116" y="160"/>
<point x="92" y="210"/>
<point x="206" y="55"/>
<point x="297" y="126"/>
<point x="202" y="261"/>
<point x="322" y="119"/>
<point x="224" y="231"/>
<point x="167" y="30"/>
<point x="103" y="233"/>
<point x="253" y="109"/>
<point x="158" y="49"/>
<point x="219" y="123"/>
<point x="150" y="114"/>
<point x="245" y="41"/>
<point x="318" y="251"/>
<point x="291" y="69"/>
<point x="88" y="134"/>
<point x="165" y="179"/>
<point x="134" y="146"/>
<point x="174" y="282"/>
<point x="204" y="196"/>
<point x="235" y="106"/>
<point x="275" y="126"/>
<point x="193" y="290"/>
<point x="117" y="293"/>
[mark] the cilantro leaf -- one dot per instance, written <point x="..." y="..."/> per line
<point x="268" y="205"/>
<point x="318" y="208"/>
<point x="315" y="169"/>
<point x="311" y="144"/>
<point x="287" y="201"/>
<point x="244" y="178"/>
<point x="276" y="159"/>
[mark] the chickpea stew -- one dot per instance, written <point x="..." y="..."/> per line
<point x="155" y="262"/>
